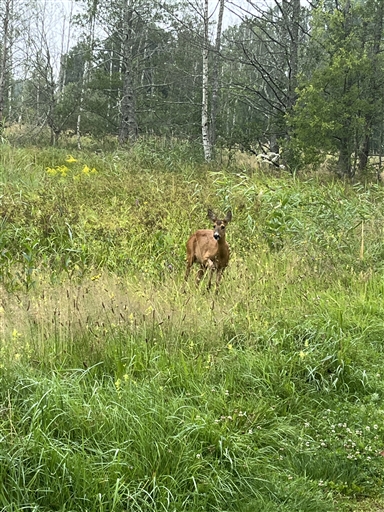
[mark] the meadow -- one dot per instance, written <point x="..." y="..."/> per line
<point x="123" y="389"/>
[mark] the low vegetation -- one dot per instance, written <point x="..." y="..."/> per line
<point x="122" y="388"/>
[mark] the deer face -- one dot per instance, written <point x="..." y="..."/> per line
<point x="219" y="225"/>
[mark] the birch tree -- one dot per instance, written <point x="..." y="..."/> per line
<point x="5" y="57"/>
<point x="216" y="75"/>
<point x="207" y="146"/>
<point x="87" y="62"/>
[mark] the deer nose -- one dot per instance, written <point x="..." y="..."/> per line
<point x="216" y="236"/>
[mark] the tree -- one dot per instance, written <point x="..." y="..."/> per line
<point x="128" y="122"/>
<point x="6" y="15"/>
<point x="207" y="146"/>
<point x="374" y="80"/>
<point x="267" y="45"/>
<point x="336" y="107"/>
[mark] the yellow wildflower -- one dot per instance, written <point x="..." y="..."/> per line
<point x="70" y="159"/>
<point x="63" y="170"/>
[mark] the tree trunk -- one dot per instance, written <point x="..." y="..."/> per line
<point x="86" y="68"/>
<point x="128" y="122"/>
<point x="293" y="53"/>
<point x="216" y="76"/>
<point x="204" y="112"/>
<point x="4" y="60"/>
<point x="374" y="86"/>
<point x="364" y="151"/>
<point x="344" y="163"/>
<point x="293" y="11"/>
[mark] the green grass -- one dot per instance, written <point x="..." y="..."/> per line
<point x="124" y="389"/>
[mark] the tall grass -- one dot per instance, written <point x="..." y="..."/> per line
<point x="124" y="389"/>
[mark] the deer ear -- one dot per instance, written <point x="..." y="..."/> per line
<point x="211" y="215"/>
<point x="228" y="217"/>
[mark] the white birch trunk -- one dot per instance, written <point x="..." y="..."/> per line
<point x="4" y="62"/>
<point x="86" y="71"/>
<point x="216" y="76"/>
<point x="109" y="106"/>
<point x="205" y="92"/>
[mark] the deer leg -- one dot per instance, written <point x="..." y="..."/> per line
<point x="190" y="261"/>
<point x="219" y="275"/>
<point x="212" y="268"/>
<point x="187" y="271"/>
<point x="200" y="275"/>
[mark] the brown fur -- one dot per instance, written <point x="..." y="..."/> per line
<point x="209" y="249"/>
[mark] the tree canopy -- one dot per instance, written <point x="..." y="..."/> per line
<point x="303" y="80"/>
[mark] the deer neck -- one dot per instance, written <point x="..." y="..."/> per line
<point x="221" y="242"/>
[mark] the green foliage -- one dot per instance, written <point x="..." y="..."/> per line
<point x="123" y="388"/>
<point x="337" y="102"/>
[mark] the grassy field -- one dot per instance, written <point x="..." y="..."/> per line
<point x="122" y="389"/>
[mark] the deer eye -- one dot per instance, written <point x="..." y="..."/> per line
<point x="222" y="227"/>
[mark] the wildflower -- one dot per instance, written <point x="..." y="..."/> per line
<point x="63" y="170"/>
<point x="51" y="171"/>
<point x="86" y="169"/>
<point x="302" y="354"/>
<point x="230" y="347"/>
<point x="70" y="159"/>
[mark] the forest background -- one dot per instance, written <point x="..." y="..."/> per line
<point x="302" y="80"/>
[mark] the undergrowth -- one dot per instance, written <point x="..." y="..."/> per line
<point x="122" y="388"/>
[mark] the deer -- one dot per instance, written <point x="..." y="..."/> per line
<point x="209" y="249"/>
